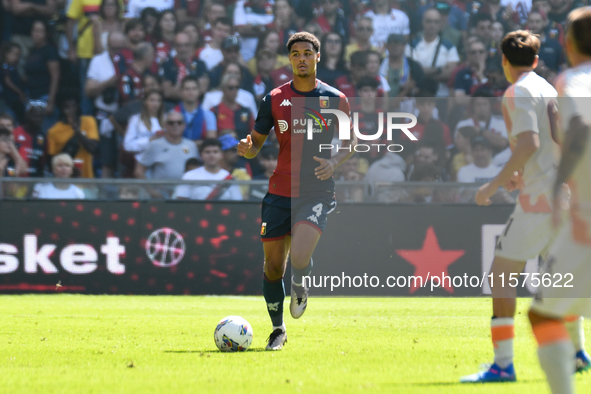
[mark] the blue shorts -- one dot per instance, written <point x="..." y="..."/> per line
<point x="281" y="214"/>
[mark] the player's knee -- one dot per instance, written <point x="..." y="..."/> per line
<point x="535" y="318"/>
<point x="300" y="259"/>
<point x="273" y="269"/>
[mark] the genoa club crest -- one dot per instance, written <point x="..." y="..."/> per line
<point x="264" y="228"/>
<point x="324" y="102"/>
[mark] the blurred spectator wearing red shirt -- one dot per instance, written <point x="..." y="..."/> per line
<point x="213" y="12"/>
<point x="184" y="63"/>
<point x="426" y="106"/>
<point x="30" y="140"/>
<point x="229" y="114"/>
<point x="135" y="34"/>
<point x="284" y="23"/>
<point x="164" y="35"/>
<point x="132" y="81"/>
<point x="332" y="19"/>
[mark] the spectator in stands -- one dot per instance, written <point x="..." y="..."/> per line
<point x="554" y="29"/>
<point x="473" y="74"/>
<point x="263" y="83"/>
<point x="428" y="153"/>
<point x="482" y="23"/>
<point x="457" y="17"/>
<point x="386" y="21"/>
<point x="177" y="67"/>
<point x="131" y="84"/>
<point x="463" y="150"/>
<point x="6" y="167"/>
<point x="212" y="54"/>
<point x="490" y="126"/>
<point x="62" y="167"/>
<point x="551" y="52"/>
<point x="482" y="170"/>
<point x="401" y="73"/>
<point x="136" y="7"/>
<point x="559" y="10"/>
<point x="42" y="69"/>
<point x="211" y="155"/>
<point x="214" y="11"/>
<point x="332" y="19"/>
<point x="30" y="139"/>
<point x="149" y="17"/>
<point x="374" y="60"/>
<point x="229" y="113"/>
<point x="363" y="33"/>
<point x="426" y="106"/>
<point x="135" y="34"/>
<point x="390" y="168"/>
<point x="332" y="64"/>
<point x="497" y="34"/>
<point x="347" y="83"/>
<point x="231" y="53"/>
<point x="190" y="29"/>
<point x="231" y="162"/>
<point x="250" y="19"/>
<point x="82" y="16"/>
<point x="145" y="125"/>
<point x="13" y="85"/>
<point x="268" y="161"/>
<point x="166" y="156"/>
<point x="199" y="123"/>
<point x="101" y="84"/>
<point x="188" y="11"/>
<point x="164" y="35"/>
<point x="110" y="21"/>
<point x="75" y="134"/>
<point x="496" y="81"/>
<point x="271" y="41"/>
<point x="21" y="14"/>
<point x="192" y="164"/>
<point x="7" y="122"/>
<point x="244" y="98"/>
<point x="437" y="56"/>
<point x="425" y="194"/>
<point x="284" y="23"/>
<point x="448" y="32"/>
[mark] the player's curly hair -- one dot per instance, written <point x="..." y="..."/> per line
<point x="303" y="36"/>
<point x="521" y="47"/>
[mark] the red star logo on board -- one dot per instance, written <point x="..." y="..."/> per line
<point x="430" y="261"/>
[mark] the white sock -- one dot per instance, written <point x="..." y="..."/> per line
<point x="502" y="332"/>
<point x="576" y="333"/>
<point x="281" y="326"/>
<point x="558" y="362"/>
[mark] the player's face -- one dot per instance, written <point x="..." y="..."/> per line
<point x="303" y="59"/>
<point x="212" y="155"/>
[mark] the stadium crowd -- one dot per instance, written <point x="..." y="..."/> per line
<point x="164" y="89"/>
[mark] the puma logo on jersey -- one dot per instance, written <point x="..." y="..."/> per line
<point x="285" y="103"/>
<point x="283" y="125"/>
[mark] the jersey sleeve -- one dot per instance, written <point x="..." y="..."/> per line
<point x="570" y="99"/>
<point x="264" y="121"/>
<point x="523" y="115"/>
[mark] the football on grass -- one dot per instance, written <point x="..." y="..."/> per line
<point x="233" y="334"/>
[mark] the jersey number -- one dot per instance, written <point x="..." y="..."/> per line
<point x="317" y="209"/>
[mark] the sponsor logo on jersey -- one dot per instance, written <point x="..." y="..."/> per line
<point x="283" y="125"/>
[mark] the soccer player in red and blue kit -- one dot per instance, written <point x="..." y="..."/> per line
<point x="301" y="190"/>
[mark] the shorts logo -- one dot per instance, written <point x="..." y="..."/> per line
<point x="313" y="219"/>
<point x="283" y="125"/>
<point x="264" y="228"/>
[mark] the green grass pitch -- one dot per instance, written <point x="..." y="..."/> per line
<point x="131" y="344"/>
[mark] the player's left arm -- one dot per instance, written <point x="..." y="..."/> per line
<point x="327" y="166"/>
<point x="528" y="143"/>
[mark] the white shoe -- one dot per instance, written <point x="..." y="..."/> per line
<point x="299" y="299"/>
<point x="276" y="340"/>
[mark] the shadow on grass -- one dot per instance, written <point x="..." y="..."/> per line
<point x="251" y="350"/>
<point x="428" y="384"/>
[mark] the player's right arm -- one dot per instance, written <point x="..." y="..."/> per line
<point x="249" y="147"/>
